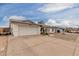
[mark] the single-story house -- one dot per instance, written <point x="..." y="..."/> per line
<point x="26" y="27"/>
<point x="72" y="30"/>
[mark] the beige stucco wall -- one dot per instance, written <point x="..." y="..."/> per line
<point x="14" y="29"/>
<point x="24" y="29"/>
<point x="51" y="30"/>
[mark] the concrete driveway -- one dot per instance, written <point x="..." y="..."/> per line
<point x="3" y="45"/>
<point x="41" y="46"/>
<point x="38" y="46"/>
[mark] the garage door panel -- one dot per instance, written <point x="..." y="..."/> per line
<point x="29" y="30"/>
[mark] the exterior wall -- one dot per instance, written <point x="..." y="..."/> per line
<point x="51" y="30"/>
<point x="28" y="30"/>
<point x="58" y="29"/>
<point x="24" y="29"/>
<point x="14" y="29"/>
<point x="54" y="30"/>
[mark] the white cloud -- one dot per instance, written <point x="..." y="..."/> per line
<point x="63" y="23"/>
<point x="6" y="20"/>
<point x="36" y="22"/>
<point x="17" y="18"/>
<point x="54" y="7"/>
<point x="51" y="22"/>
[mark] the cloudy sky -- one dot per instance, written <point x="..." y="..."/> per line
<point x="53" y="14"/>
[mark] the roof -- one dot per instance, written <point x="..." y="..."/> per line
<point x="24" y="22"/>
<point x="32" y="23"/>
<point x="28" y="21"/>
<point x="42" y="25"/>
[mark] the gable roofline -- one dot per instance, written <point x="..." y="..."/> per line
<point x="24" y="22"/>
<point x="32" y="23"/>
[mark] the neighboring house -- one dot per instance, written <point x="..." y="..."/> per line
<point x="72" y="30"/>
<point x="27" y="27"/>
<point x="4" y="30"/>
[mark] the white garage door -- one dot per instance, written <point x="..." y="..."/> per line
<point x="28" y="30"/>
